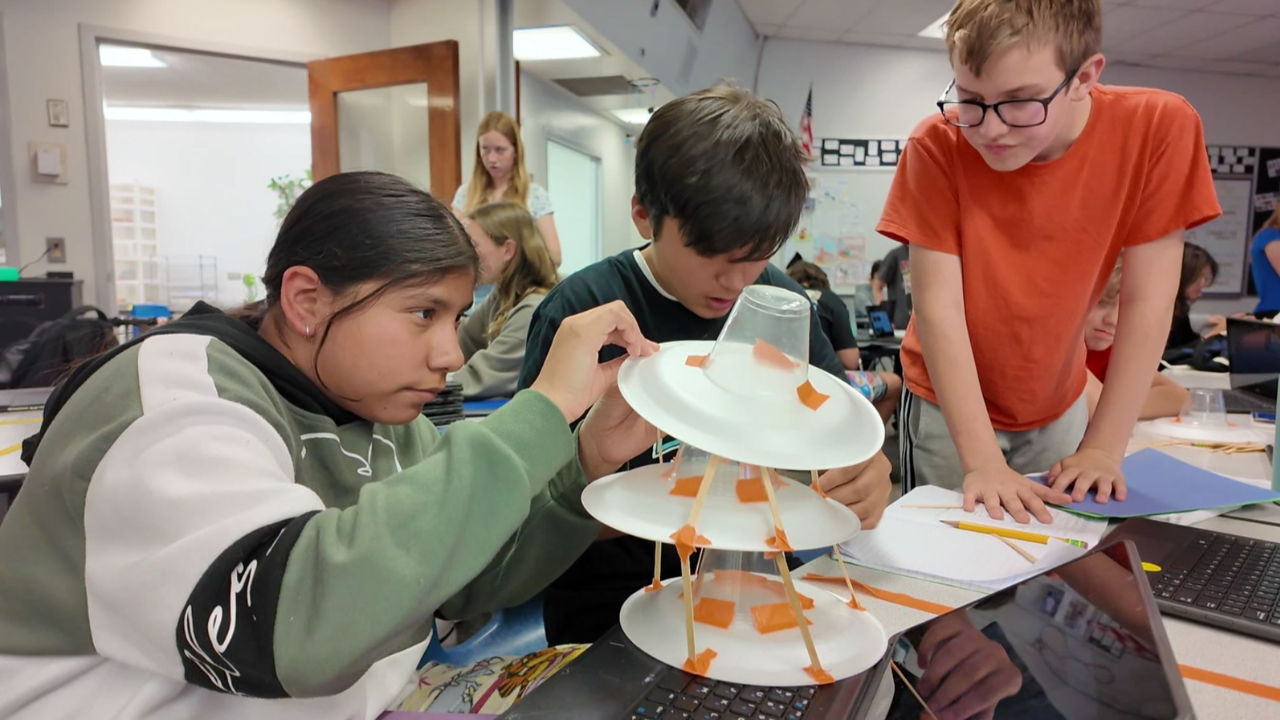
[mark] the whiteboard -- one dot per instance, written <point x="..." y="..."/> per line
<point x="861" y="195"/>
<point x="1227" y="237"/>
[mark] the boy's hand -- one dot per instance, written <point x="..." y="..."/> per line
<point x="611" y="434"/>
<point x="1087" y="468"/>
<point x="573" y="377"/>
<point x="999" y="485"/>
<point x="864" y="488"/>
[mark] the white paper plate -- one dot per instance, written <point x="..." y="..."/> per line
<point x="768" y="431"/>
<point x="638" y="502"/>
<point x="848" y="641"/>
<point x="1167" y="427"/>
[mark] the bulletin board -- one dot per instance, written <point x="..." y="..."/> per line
<point x="1227" y="237"/>
<point x="1267" y="189"/>
<point x="837" y="227"/>
<point x="853" y="153"/>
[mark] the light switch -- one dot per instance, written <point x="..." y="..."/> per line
<point x="49" y="162"/>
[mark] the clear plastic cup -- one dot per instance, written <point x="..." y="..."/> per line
<point x="763" y="349"/>
<point x="1205" y="408"/>
<point x="735" y="577"/>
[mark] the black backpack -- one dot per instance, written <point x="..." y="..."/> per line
<point x="56" y="347"/>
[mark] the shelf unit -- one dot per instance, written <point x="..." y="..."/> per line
<point x="138" y="266"/>
<point x="189" y="280"/>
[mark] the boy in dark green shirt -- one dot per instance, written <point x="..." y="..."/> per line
<point x="719" y="186"/>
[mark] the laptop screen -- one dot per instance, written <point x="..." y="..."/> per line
<point x="1078" y="642"/>
<point x="1253" y="347"/>
<point x="881" y="325"/>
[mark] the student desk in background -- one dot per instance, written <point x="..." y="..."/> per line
<point x="14" y="428"/>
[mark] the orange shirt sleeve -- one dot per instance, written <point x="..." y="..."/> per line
<point x="923" y="206"/>
<point x="1177" y="191"/>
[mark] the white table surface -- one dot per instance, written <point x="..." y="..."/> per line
<point x="14" y="428"/>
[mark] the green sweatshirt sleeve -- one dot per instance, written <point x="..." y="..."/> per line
<point x="489" y="517"/>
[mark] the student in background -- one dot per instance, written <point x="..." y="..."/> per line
<point x="251" y="518"/>
<point x="894" y="278"/>
<point x="1264" y="258"/>
<point x="499" y="173"/>
<point x="514" y="260"/>
<point x="994" y="364"/>
<point x="882" y="388"/>
<point x="709" y="240"/>
<point x="1199" y="271"/>
<point x="1164" y="399"/>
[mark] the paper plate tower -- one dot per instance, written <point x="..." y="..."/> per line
<point x="743" y="407"/>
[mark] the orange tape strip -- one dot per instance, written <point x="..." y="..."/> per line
<point x="1208" y="677"/>
<point x="1229" y="682"/>
<point x="887" y="595"/>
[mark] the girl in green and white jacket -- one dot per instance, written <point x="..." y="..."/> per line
<point x="249" y="517"/>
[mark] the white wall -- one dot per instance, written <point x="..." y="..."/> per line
<point x="472" y="23"/>
<point x="211" y="187"/>
<point x="670" y="48"/>
<point x="42" y="52"/>
<point x="550" y="111"/>
<point x="866" y="91"/>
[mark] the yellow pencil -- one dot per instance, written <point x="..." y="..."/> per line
<point x="1011" y="533"/>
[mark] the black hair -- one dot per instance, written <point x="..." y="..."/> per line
<point x="875" y="268"/>
<point x="1194" y="260"/>
<point x="359" y="227"/>
<point x="809" y="276"/>
<point x="726" y="166"/>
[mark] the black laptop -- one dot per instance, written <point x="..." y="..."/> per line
<point x="1081" y="641"/>
<point x="1253" y="346"/>
<point x="1225" y="580"/>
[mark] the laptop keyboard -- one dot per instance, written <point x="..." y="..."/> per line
<point x="1236" y="401"/>
<point x="1234" y="576"/>
<point x="681" y="696"/>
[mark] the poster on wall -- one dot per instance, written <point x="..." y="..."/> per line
<point x="1267" y="192"/>
<point x="831" y="234"/>
<point x="1225" y="238"/>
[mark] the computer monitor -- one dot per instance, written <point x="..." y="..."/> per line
<point x="1253" y="347"/>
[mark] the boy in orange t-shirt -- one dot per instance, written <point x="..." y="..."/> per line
<point x="1016" y="201"/>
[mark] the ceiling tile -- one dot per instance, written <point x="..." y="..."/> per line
<point x="768" y="12"/>
<point x="842" y="14"/>
<point x="1230" y="44"/>
<point x="1238" y="68"/>
<point x="1174" y="62"/>
<point x="1246" y="7"/>
<point x="1184" y="31"/>
<point x="902" y="17"/>
<point x="1125" y="22"/>
<point x="820" y="34"/>
<point x="1264" y="54"/>
<point x="1174" y="4"/>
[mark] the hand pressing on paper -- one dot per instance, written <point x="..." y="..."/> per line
<point x="1086" y="469"/>
<point x="966" y="674"/>
<point x="1000" y="488"/>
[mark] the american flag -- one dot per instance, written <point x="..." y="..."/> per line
<point x="806" y="124"/>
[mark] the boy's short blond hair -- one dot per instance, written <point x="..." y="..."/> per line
<point x="1111" y="293"/>
<point x="977" y="29"/>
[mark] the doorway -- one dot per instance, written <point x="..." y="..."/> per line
<point x="573" y="181"/>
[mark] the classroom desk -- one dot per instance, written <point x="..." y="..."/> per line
<point x="1195" y="645"/>
<point x="14" y="428"/>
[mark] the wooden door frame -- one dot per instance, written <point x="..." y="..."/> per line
<point x="436" y="63"/>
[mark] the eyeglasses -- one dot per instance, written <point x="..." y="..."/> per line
<point x="1017" y="112"/>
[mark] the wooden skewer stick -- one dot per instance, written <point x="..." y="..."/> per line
<point x="907" y="682"/>
<point x="662" y="453"/>
<point x="688" y="608"/>
<point x="1018" y="549"/>
<point x="797" y="609"/>
<point x="657" y="562"/>
<point x="767" y="476"/>
<point x="848" y="581"/>
<point x="674" y="471"/>
<point x="701" y="499"/>
<point x="813" y="480"/>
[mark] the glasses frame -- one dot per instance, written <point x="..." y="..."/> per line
<point x="943" y="103"/>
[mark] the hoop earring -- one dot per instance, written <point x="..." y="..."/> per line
<point x="308" y="332"/>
